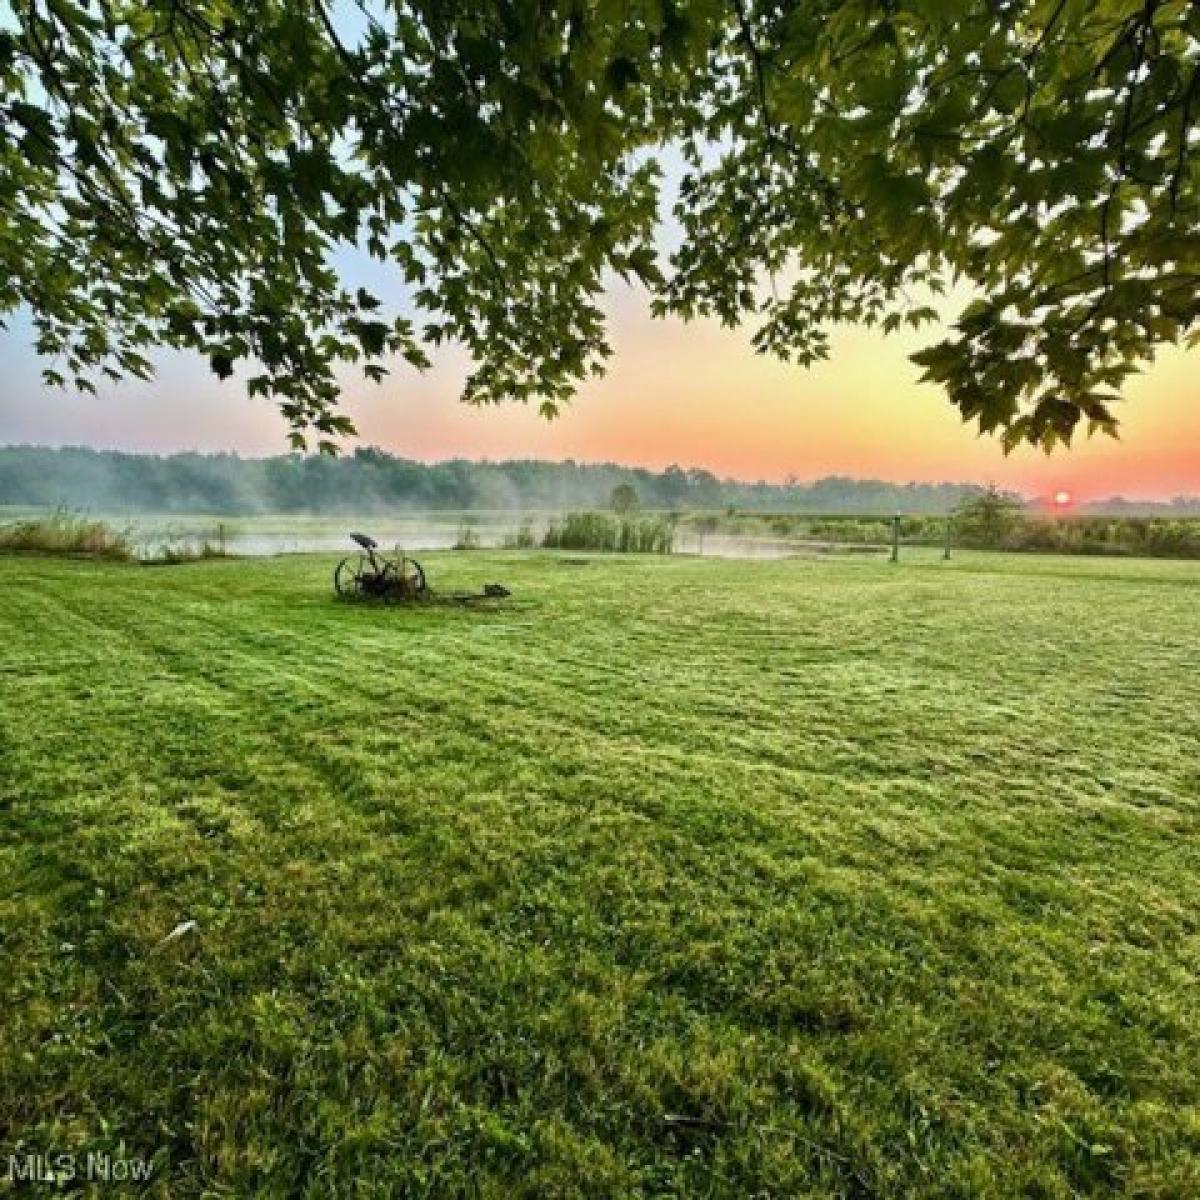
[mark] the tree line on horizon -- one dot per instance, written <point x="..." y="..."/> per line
<point x="373" y="480"/>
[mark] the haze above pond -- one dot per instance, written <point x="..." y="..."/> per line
<point x="409" y="531"/>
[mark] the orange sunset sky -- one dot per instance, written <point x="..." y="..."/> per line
<point x="695" y="394"/>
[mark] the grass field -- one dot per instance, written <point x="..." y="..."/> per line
<point x="670" y="878"/>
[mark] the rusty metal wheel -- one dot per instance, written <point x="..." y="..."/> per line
<point x="347" y="578"/>
<point x="414" y="577"/>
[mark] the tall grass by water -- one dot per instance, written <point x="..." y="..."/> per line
<point x="66" y="535"/>
<point x="619" y="534"/>
<point x="1148" y="537"/>
<point x="184" y="548"/>
<point x="522" y="538"/>
<point x="468" y="537"/>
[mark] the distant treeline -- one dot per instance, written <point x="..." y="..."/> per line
<point x="372" y="480"/>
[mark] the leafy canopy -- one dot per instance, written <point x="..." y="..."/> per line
<point x="181" y="172"/>
<point x="989" y="514"/>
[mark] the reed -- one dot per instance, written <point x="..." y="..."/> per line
<point x="64" y="534"/>
<point x="615" y="534"/>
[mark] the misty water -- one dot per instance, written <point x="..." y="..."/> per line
<point x="411" y="532"/>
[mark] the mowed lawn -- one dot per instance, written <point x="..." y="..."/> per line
<point x="667" y="878"/>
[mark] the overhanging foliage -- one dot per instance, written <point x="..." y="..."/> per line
<point x="180" y="172"/>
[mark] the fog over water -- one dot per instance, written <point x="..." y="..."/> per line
<point x="412" y="533"/>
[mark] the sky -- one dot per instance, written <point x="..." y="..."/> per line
<point x="693" y="394"/>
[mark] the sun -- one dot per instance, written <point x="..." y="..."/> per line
<point x="1062" y="499"/>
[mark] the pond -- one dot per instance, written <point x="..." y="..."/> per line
<point x="412" y="532"/>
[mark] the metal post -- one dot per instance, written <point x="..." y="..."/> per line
<point x="896" y="538"/>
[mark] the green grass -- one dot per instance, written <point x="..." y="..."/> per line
<point x="886" y="878"/>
